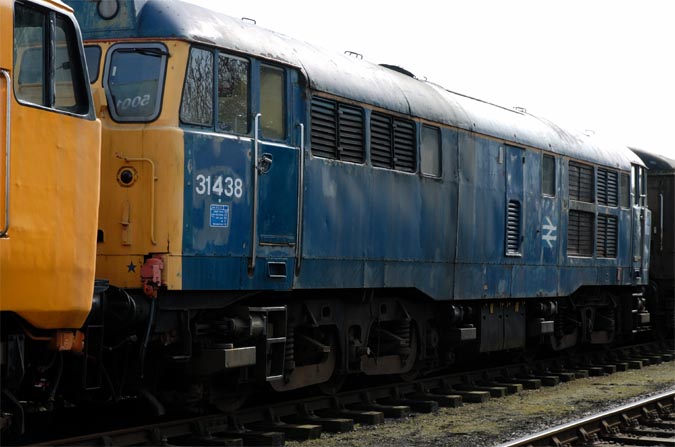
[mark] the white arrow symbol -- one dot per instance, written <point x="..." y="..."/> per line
<point x="550" y="229"/>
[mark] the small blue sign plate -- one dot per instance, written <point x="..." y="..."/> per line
<point x="220" y="216"/>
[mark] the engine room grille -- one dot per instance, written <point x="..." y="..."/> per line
<point x="380" y="140"/>
<point x="513" y="227"/>
<point x="608" y="187"/>
<point x="605" y="245"/>
<point x="337" y="131"/>
<point x="581" y="182"/>
<point x="404" y="145"/>
<point x="350" y="126"/>
<point x="392" y="143"/>
<point x="580" y="233"/>
<point x="324" y="130"/>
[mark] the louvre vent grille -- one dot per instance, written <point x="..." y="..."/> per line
<point x="608" y="187"/>
<point x="605" y="246"/>
<point x="324" y="130"/>
<point x="392" y="143"/>
<point x="351" y="146"/>
<point x="581" y="182"/>
<point x="337" y="131"/>
<point x="404" y="145"/>
<point x="580" y="233"/>
<point x="380" y="141"/>
<point x="513" y="227"/>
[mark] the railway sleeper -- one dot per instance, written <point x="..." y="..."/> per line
<point x="368" y="403"/>
<point x="365" y="417"/>
<point x="443" y="400"/>
<point x="328" y="424"/>
<point x="417" y="405"/>
<point x="494" y="391"/>
<point x="511" y="388"/>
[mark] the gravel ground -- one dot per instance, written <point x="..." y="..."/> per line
<point x="508" y="418"/>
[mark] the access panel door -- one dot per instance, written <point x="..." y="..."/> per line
<point x="514" y="201"/>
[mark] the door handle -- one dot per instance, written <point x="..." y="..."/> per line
<point x="264" y="163"/>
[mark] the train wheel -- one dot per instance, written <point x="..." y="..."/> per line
<point x="333" y="385"/>
<point x="230" y="404"/>
<point x="323" y="349"/>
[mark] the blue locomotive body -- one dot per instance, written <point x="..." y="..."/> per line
<point x="365" y="225"/>
<point x="389" y="221"/>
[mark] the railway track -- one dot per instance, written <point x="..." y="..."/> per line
<point x="649" y="422"/>
<point x="307" y="417"/>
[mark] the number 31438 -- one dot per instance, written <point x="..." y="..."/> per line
<point x="219" y="185"/>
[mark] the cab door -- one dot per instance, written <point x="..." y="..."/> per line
<point x="641" y="224"/>
<point x="277" y="166"/>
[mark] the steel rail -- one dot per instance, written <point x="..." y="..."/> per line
<point x="590" y="429"/>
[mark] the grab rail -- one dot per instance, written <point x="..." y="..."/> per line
<point x="661" y="210"/>
<point x="152" y="189"/>
<point x="254" y="225"/>
<point x="8" y="149"/>
<point x="301" y="181"/>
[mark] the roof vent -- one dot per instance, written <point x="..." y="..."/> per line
<point x="398" y="69"/>
<point x="249" y="20"/>
<point x="520" y="109"/>
<point x="354" y="54"/>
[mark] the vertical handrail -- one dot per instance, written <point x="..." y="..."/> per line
<point x="301" y="182"/>
<point x="8" y="150"/>
<point x="661" y="210"/>
<point x="254" y="219"/>
<point x="152" y="190"/>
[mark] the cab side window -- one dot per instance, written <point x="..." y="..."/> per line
<point x="272" y="99"/>
<point x="48" y="66"/>
<point x="233" y="105"/>
<point x="197" y="105"/>
<point x="134" y="80"/>
<point x="548" y="175"/>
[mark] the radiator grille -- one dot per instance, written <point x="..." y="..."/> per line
<point x="324" y="130"/>
<point x="337" y="131"/>
<point x="580" y="233"/>
<point x="608" y="187"/>
<point x="605" y="246"/>
<point x="392" y="143"/>
<point x="380" y="140"/>
<point x="404" y="145"/>
<point x="350" y="120"/>
<point x="581" y="182"/>
<point x="513" y="227"/>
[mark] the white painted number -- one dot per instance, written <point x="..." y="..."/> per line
<point x="134" y="103"/>
<point x="219" y="185"/>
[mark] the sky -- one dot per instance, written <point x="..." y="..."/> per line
<point x="606" y="67"/>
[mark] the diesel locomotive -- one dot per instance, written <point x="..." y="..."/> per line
<point x="49" y="199"/>
<point x="272" y="213"/>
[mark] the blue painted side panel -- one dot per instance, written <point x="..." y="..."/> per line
<point x="219" y="203"/>
<point x="210" y="157"/>
<point x="490" y="175"/>
<point x="481" y="201"/>
<point x="277" y="195"/>
<point x="370" y="227"/>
